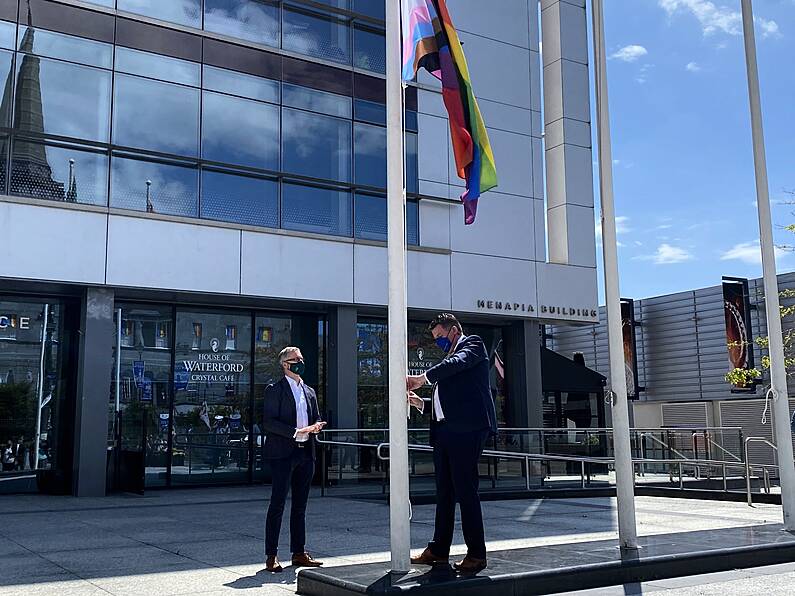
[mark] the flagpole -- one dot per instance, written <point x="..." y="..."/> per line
<point x="396" y="265"/>
<point x="778" y="377"/>
<point x="625" y="474"/>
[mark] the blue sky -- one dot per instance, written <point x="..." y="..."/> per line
<point x="683" y="162"/>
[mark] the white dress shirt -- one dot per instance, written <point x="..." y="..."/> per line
<point x="302" y="417"/>
<point x="438" y="414"/>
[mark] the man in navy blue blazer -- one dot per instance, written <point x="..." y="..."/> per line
<point x="462" y="419"/>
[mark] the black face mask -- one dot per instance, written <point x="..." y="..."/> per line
<point x="298" y="368"/>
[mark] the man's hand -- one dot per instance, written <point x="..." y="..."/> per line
<point x="312" y="428"/>
<point x="415" y="382"/>
<point x="415" y="400"/>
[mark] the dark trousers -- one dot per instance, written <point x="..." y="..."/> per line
<point x="455" y="460"/>
<point x="289" y="473"/>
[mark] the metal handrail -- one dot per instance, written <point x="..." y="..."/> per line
<point x="544" y="429"/>
<point x="749" y="467"/>
<point x="708" y="439"/>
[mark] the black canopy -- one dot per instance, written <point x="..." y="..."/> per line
<point x="558" y="373"/>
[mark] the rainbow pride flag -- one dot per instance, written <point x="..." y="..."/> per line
<point x="430" y="41"/>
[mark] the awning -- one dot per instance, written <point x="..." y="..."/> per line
<point x="558" y="373"/>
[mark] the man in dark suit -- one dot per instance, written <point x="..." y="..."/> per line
<point x="290" y="421"/>
<point x="462" y="419"/>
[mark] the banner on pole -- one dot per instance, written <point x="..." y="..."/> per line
<point x="739" y="336"/>
<point x="630" y="347"/>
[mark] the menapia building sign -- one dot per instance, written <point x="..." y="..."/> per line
<point x="551" y="310"/>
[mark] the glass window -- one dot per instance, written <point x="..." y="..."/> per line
<point x="156" y="66"/>
<point x="60" y="173"/>
<point x="65" y="47"/>
<point x="238" y="83"/>
<point x="62" y="99"/>
<point x="369" y="111"/>
<point x="369" y="49"/>
<point x="319" y="210"/>
<point x="343" y="4"/>
<point x="313" y="100"/>
<point x="8" y="34"/>
<point x="316" y="34"/>
<point x="154" y="115"/>
<point x="154" y="187"/>
<point x="6" y="59"/>
<point x="315" y="145"/>
<point x="183" y="12"/>
<point x="370" y="8"/>
<point x="240" y="131"/>
<point x="110" y="3"/>
<point x="411" y="120"/>
<point x="412" y="167"/>
<point x="30" y="343"/>
<point x="5" y="144"/>
<point x="240" y="199"/>
<point x="413" y="223"/>
<point x="369" y="146"/>
<point x="253" y="20"/>
<point x="212" y="393"/>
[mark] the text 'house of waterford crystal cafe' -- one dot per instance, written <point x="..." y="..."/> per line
<point x="188" y="186"/>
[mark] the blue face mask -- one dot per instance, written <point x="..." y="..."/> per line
<point x="444" y="343"/>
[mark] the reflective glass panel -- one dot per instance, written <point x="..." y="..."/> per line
<point x="65" y="47"/>
<point x="369" y="111"/>
<point x="369" y="147"/>
<point x="173" y="189"/>
<point x="5" y="145"/>
<point x="6" y="58"/>
<point x="59" y="173"/>
<point x="240" y="131"/>
<point x="319" y="210"/>
<point x="30" y="343"/>
<point x="154" y="115"/>
<point x="252" y="20"/>
<point x="183" y="12"/>
<point x="156" y="66"/>
<point x="369" y="49"/>
<point x="316" y="34"/>
<point x="240" y="199"/>
<point x="8" y="35"/>
<point x="212" y="392"/>
<point x="315" y="145"/>
<point x="110" y="3"/>
<point x="238" y="83"/>
<point x="413" y="223"/>
<point x="313" y="100"/>
<point x="370" y="8"/>
<point x="343" y="4"/>
<point x="412" y="167"/>
<point x="371" y="218"/>
<point x="62" y="99"/>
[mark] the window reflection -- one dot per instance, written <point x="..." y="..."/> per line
<point x="314" y="100"/>
<point x="59" y="173"/>
<point x="155" y="66"/>
<point x="370" y="8"/>
<point x="371" y="218"/>
<point x="315" y="145"/>
<point x="316" y="34"/>
<point x="62" y="99"/>
<point x="240" y="199"/>
<point x="413" y="223"/>
<point x="154" y="115"/>
<point x="65" y="47"/>
<point x="412" y="167"/>
<point x="154" y="187"/>
<point x="183" y="12"/>
<point x="8" y="35"/>
<point x="253" y="20"/>
<point x="243" y="85"/>
<point x="240" y="131"/>
<point x="369" y="49"/>
<point x="318" y="210"/>
<point x="369" y="144"/>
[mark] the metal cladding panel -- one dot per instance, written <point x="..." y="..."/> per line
<point x="685" y="415"/>
<point x="747" y="413"/>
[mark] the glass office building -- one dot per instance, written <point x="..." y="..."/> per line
<point x="188" y="186"/>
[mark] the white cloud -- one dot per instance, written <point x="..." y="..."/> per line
<point x="749" y="252"/>
<point x="667" y="255"/>
<point x="630" y="53"/>
<point x="643" y="73"/>
<point x="692" y="67"/>
<point x="715" y="19"/>
<point x="621" y="227"/>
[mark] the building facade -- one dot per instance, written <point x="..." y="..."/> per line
<point x="187" y="186"/>
<point x="682" y="360"/>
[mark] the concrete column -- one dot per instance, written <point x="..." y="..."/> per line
<point x="343" y="367"/>
<point x="567" y="133"/>
<point x="95" y="363"/>
<point x="523" y="371"/>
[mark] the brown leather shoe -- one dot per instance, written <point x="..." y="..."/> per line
<point x="305" y="560"/>
<point x="428" y="558"/>
<point x="470" y="565"/>
<point x="272" y="564"/>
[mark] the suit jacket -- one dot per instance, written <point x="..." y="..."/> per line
<point x="280" y="419"/>
<point x="462" y="380"/>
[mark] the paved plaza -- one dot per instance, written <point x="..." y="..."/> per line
<point x="210" y="541"/>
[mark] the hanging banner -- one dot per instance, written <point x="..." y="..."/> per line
<point x="630" y="347"/>
<point x="739" y="336"/>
